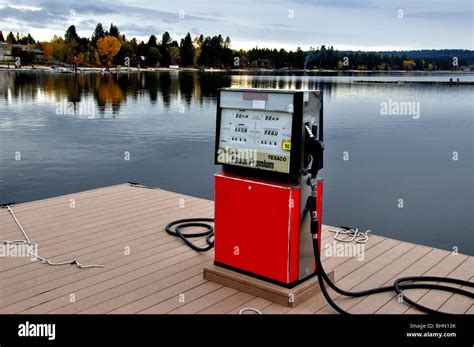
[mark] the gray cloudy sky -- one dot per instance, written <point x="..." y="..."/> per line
<point x="346" y="24"/>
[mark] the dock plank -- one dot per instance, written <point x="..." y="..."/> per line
<point x="458" y="304"/>
<point x="418" y="268"/>
<point x="342" y="268"/>
<point x="435" y="299"/>
<point x="162" y="275"/>
<point x="255" y="303"/>
<point x="355" y="282"/>
<point x="442" y="268"/>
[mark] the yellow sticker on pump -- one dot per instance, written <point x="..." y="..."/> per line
<point x="286" y="145"/>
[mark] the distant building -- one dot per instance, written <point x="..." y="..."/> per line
<point x="6" y="51"/>
<point x="467" y="68"/>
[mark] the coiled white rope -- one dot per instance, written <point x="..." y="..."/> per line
<point x="250" y="309"/>
<point x="354" y="234"/>
<point x="33" y="245"/>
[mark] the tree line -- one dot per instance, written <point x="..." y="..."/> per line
<point x="107" y="48"/>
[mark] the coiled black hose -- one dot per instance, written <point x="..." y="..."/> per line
<point x="181" y="224"/>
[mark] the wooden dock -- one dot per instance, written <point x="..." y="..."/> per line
<point x="148" y="271"/>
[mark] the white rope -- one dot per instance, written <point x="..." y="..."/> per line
<point x="354" y="233"/>
<point x="33" y="245"/>
<point x="250" y="309"/>
<point x="18" y="223"/>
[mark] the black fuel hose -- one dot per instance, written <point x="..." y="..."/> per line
<point x="181" y="224"/>
<point x="397" y="287"/>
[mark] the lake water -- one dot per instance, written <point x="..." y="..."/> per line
<point x="409" y="177"/>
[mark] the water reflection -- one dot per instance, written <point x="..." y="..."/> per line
<point x="165" y="92"/>
<point x="110" y="91"/>
<point x="166" y="121"/>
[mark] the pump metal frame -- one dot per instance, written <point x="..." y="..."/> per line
<point x="296" y="153"/>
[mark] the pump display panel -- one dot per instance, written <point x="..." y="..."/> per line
<point x="255" y="131"/>
<point x="255" y="139"/>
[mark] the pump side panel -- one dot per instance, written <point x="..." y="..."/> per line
<point x="295" y="234"/>
<point x="253" y="226"/>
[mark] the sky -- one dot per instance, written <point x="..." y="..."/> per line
<point x="369" y="25"/>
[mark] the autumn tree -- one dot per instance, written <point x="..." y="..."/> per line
<point x="58" y="45"/>
<point x="409" y="64"/>
<point x="108" y="46"/>
<point x="174" y="55"/>
<point x="48" y="50"/>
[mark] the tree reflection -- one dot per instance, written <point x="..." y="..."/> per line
<point x="167" y="89"/>
<point x="108" y="93"/>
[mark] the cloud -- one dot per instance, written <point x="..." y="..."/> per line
<point x="279" y="25"/>
<point x="86" y="24"/>
<point x="356" y="23"/>
<point x="448" y="16"/>
<point x="35" y="18"/>
<point x="140" y="30"/>
<point x="83" y="7"/>
<point x="358" y="4"/>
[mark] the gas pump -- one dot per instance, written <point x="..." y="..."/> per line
<point x="268" y="199"/>
<point x="269" y="143"/>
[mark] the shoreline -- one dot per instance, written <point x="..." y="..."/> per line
<point x="47" y="68"/>
<point x="449" y="83"/>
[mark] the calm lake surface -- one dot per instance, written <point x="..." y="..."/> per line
<point x="73" y="133"/>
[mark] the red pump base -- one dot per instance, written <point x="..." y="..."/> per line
<point x="262" y="228"/>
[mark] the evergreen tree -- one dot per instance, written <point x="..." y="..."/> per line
<point x="113" y="31"/>
<point x="152" y="42"/>
<point x="30" y="39"/>
<point x="71" y="34"/>
<point x="164" y="51"/>
<point x="98" y="33"/>
<point x="153" y="56"/>
<point x="186" y="51"/>
<point x="11" y="38"/>
<point x="166" y="39"/>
